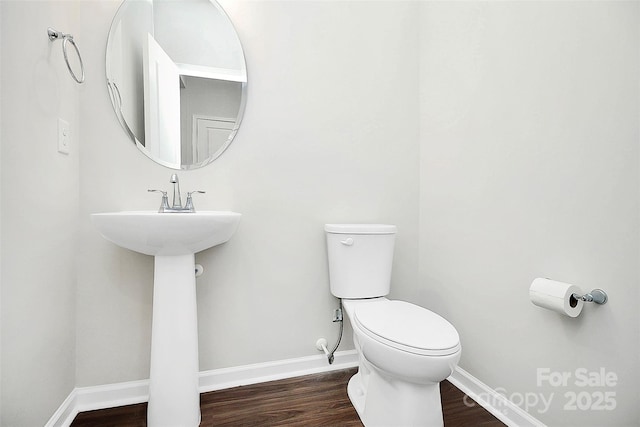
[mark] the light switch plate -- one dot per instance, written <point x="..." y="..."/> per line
<point x="64" y="136"/>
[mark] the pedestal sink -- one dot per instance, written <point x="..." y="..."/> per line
<point x="173" y="239"/>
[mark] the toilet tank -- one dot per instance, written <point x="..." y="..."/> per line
<point x="360" y="259"/>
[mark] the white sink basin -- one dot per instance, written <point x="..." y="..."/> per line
<point x="167" y="234"/>
<point x="173" y="239"/>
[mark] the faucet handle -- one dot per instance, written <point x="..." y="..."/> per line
<point x="189" y="203"/>
<point x="165" y="200"/>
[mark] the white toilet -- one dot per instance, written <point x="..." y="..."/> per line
<point x="405" y="351"/>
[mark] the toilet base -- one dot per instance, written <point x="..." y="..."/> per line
<point x="357" y="394"/>
<point x="386" y="402"/>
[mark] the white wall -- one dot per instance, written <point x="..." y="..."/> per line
<point x="329" y="134"/>
<point x="501" y="138"/>
<point x="530" y="168"/>
<point x="39" y="213"/>
<point x="0" y="220"/>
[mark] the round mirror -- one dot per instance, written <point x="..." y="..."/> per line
<point x="177" y="79"/>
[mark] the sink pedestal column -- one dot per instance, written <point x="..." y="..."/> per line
<point x="173" y="238"/>
<point x="174" y="399"/>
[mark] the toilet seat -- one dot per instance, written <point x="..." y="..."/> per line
<point x="407" y="327"/>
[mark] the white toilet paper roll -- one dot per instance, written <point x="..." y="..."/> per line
<point x="556" y="296"/>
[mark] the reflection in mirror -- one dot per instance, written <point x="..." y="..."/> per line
<point x="207" y="125"/>
<point x="177" y="79"/>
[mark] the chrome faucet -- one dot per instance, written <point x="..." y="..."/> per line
<point x="177" y="200"/>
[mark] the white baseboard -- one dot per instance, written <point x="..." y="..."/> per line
<point x="132" y="392"/>
<point x="219" y="379"/>
<point x="497" y="404"/>
<point x="65" y="413"/>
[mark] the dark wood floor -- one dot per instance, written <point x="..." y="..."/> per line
<point x="312" y="400"/>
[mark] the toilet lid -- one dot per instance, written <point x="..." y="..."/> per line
<point x="408" y="327"/>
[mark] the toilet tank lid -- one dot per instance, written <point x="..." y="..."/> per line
<point x="360" y="228"/>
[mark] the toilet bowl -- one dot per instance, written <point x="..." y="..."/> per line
<point x="404" y="350"/>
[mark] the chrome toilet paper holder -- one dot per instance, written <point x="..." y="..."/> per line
<point x="597" y="295"/>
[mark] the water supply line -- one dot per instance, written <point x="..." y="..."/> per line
<point x="321" y="344"/>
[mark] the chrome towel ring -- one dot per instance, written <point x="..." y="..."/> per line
<point x="67" y="38"/>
